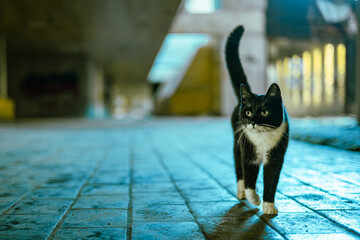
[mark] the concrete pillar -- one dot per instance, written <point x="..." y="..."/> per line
<point x="95" y="90"/>
<point x="357" y="62"/>
<point x="3" y="69"/>
<point x="7" y="106"/>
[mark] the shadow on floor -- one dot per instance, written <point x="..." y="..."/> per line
<point x="240" y="223"/>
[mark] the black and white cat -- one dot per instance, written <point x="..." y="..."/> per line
<point x="261" y="131"/>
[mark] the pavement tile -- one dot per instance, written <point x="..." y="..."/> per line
<point x="54" y="192"/>
<point x="18" y="226"/>
<point x="204" y="195"/>
<point x="323" y="200"/>
<point x="300" y="190"/>
<point x="161" y="213"/>
<point x="288" y="205"/>
<point x="110" y="178"/>
<point x="352" y="197"/>
<point x="150" y="180"/>
<point x="91" y="233"/>
<point x="199" y="184"/>
<point x="113" y="201"/>
<point x="153" y="187"/>
<point x="218" y="209"/>
<point x="157" y="198"/>
<point x="249" y="227"/>
<point x="6" y="202"/>
<point x="95" y="218"/>
<point x="7" y="193"/>
<point x="329" y="236"/>
<point x="41" y="206"/>
<point x="100" y="189"/>
<point x="166" y="230"/>
<point x="189" y="175"/>
<point x="65" y="180"/>
<point x="348" y="218"/>
<point x="301" y="223"/>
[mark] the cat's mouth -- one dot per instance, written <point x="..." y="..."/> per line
<point x="267" y="126"/>
<point x="260" y="128"/>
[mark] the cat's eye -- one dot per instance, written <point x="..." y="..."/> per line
<point x="248" y="113"/>
<point x="264" y="113"/>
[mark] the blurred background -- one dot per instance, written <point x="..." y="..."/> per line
<point x="138" y="58"/>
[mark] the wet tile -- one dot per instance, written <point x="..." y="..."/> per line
<point x="301" y="223"/>
<point x="348" y="218"/>
<point x="41" y="206"/>
<point x="190" y="175"/>
<point x="324" y="201"/>
<point x="95" y="189"/>
<point x="113" y="201"/>
<point x="6" y="202"/>
<point x="166" y="230"/>
<point x="218" y="209"/>
<point x="250" y="227"/>
<point x="96" y="218"/>
<point x="288" y="205"/>
<point x="197" y="185"/>
<point x="18" y="226"/>
<point x="211" y="195"/>
<point x="157" y="198"/>
<point x="329" y="236"/>
<point x="150" y="173"/>
<point x="65" y="180"/>
<point x="60" y="192"/>
<point x="91" y="234"/>
<point x="161" y="213"/>
<point x="146" y="179"/>
<point x="23" y="235"/>
<point x="154" y="187"/>
<point x="111" y="178"/>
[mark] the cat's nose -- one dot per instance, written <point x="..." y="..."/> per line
<point x="253" y="124"/>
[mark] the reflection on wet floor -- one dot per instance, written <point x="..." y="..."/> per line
<point x="166" y="179"/>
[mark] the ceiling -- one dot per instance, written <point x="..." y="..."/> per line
<point x="123" y="35"/>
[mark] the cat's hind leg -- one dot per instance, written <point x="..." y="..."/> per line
<point x="239" y="173"/>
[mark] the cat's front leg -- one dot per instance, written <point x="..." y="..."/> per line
<point x="241" y="190"/>
<point x="271" y="178"/>
<point x="251" y="172"/>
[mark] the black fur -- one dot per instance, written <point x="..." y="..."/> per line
<point x="264" y="112"/>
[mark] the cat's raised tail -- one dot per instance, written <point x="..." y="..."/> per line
<point x="233" y="62"/>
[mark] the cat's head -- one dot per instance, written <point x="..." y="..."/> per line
<point x="260" y="113"/>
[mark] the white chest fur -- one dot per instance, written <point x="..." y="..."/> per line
<point x="265" y="141"/>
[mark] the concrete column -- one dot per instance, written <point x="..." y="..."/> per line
<point x="357" y="62"/>
<point x="3" y="69"/>
<point x="7" y="106"/>
<point x="95" y="90"/>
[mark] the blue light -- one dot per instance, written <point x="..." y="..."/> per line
<point x="176" y="51"/>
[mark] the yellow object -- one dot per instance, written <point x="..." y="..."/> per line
<point x="198" y="91"/>
<point x="7" y="110"/>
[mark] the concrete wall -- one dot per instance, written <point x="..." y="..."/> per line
<point x="33" y="84"/>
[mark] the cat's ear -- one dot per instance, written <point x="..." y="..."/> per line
<point x="274" y="91"/>
<point x="244" y="92"/>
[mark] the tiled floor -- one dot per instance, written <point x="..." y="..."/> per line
<point x="163" y="179"/>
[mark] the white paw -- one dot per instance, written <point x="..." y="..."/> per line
<point x="252" y="197"/>
<point x="240" y="190"/>
<point x="269" y="208"/>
